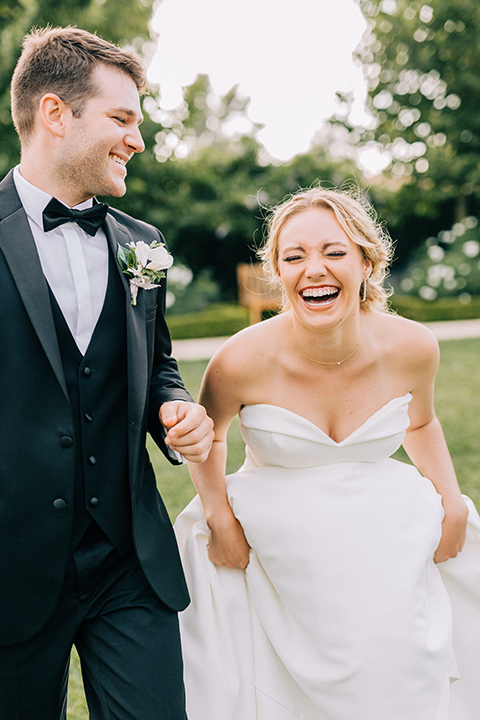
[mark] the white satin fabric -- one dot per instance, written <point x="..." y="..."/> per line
<point x="341" y="613"/>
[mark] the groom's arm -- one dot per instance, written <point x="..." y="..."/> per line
<point x="166" y="384"/>
<point x="176" y="423"/>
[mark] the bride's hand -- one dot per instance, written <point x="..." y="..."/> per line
<point x="228" y="545"/>
<point x="454" y="528"/>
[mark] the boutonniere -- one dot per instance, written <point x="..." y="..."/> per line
<point x="143" y="264"/>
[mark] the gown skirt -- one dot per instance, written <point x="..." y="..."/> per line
<point x="341" y="613"/>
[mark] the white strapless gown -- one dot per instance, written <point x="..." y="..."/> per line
<point x="341" y="613"/>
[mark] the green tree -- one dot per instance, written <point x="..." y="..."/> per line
<point x="421" y="62"/>
<point x="124" y="22"/>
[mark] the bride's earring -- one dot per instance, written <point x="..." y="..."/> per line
<point x="364" y="294"/>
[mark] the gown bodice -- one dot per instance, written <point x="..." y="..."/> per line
<point x="280" y="438"/>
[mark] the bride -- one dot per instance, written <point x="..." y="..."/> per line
<point x="324" y="575"/>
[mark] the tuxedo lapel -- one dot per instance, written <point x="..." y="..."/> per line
<point x="117" y="234"/>
<point x="137" y="354"/>
<point x="19" y="249"/>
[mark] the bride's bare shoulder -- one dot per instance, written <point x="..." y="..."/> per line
<point x="406" y="339"/>
<point x="249" y="350"/>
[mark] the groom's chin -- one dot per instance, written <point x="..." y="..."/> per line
<point x="115" y="190"/>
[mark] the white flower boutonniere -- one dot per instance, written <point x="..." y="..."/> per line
<point x="143" y="264"/>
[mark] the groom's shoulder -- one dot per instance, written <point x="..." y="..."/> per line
<point x="9" y="199"/>
<point x="134" y="225"/>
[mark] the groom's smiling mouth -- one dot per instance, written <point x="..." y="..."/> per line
<point x="320" y="296"/>
<point x="118" y="160"/>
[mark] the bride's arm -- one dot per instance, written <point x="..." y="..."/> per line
<point x="227" y="544"/>
<point x="427" y="449"/>
<point x="425" y="445"/>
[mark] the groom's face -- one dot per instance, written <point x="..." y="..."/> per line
<point x="99" y="143"/>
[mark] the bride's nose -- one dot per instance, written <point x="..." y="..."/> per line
<point x="316" y="267"/>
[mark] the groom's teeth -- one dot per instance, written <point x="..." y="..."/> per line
<point x="118" y="160"/>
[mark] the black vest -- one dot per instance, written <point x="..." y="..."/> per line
<point x="97" y="389"/>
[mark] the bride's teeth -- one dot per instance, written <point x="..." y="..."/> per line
<point x="319" y="292"/>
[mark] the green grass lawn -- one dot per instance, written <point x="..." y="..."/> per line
<point x="458" y="407"/>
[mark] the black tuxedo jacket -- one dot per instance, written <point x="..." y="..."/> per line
<point x="35" y="414"/>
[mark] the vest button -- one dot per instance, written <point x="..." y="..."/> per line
<point x="93" y="501"/>
<point x="88" y="417"/>
<point x="59" y="504"/>
<point x="66" y="441"/>
<point x="87" y="371"/>
<point x="92" y="459"/>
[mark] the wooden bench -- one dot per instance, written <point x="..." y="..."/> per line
<point x="255" y="291"/>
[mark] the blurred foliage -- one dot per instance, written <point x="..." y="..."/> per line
<point x="187" y="294"/>
<point x="421" y="62"/>
<point x="447" y="265"/>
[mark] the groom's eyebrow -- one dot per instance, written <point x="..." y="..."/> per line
<point x="129" y="112"/>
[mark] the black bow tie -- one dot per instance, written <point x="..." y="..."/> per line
<point x="90" y="220"/>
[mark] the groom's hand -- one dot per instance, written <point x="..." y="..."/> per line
<point x="190" y="430"/>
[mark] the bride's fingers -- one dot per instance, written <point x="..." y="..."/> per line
<point x="230" y="557"/>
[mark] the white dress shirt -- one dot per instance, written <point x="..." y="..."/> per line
<point x="74" y="263"/>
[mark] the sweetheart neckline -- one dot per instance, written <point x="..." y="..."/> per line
<point x="407" y="397"/>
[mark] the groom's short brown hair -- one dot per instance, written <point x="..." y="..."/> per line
<point x="61" y="61"/>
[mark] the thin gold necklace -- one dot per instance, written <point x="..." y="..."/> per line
<point x="322" y="362"/>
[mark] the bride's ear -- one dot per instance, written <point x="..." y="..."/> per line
<point x="367" y="267"/>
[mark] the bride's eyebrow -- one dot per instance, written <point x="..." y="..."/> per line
<point x="324" y="246"/>
<point x="334" y="242"/>
<point x="292" y="248"/>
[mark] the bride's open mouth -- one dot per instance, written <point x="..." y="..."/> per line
<point x="320" y="296"/>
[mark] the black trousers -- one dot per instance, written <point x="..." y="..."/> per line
<point x="127" y="639"/>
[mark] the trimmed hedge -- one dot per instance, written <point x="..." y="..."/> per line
<point x="217" y="320"/>
<point x="415" y="308"/>
<point x="223" y="319"/>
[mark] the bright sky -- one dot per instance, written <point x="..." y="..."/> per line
<point x="289" y="57"/>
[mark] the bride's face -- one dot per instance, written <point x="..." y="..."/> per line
<point x="320" y="268"/>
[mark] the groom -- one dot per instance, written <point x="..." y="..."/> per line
<point x="87" y="552"/>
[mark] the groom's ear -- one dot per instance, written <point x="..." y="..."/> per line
<point x="54" y="114"/>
